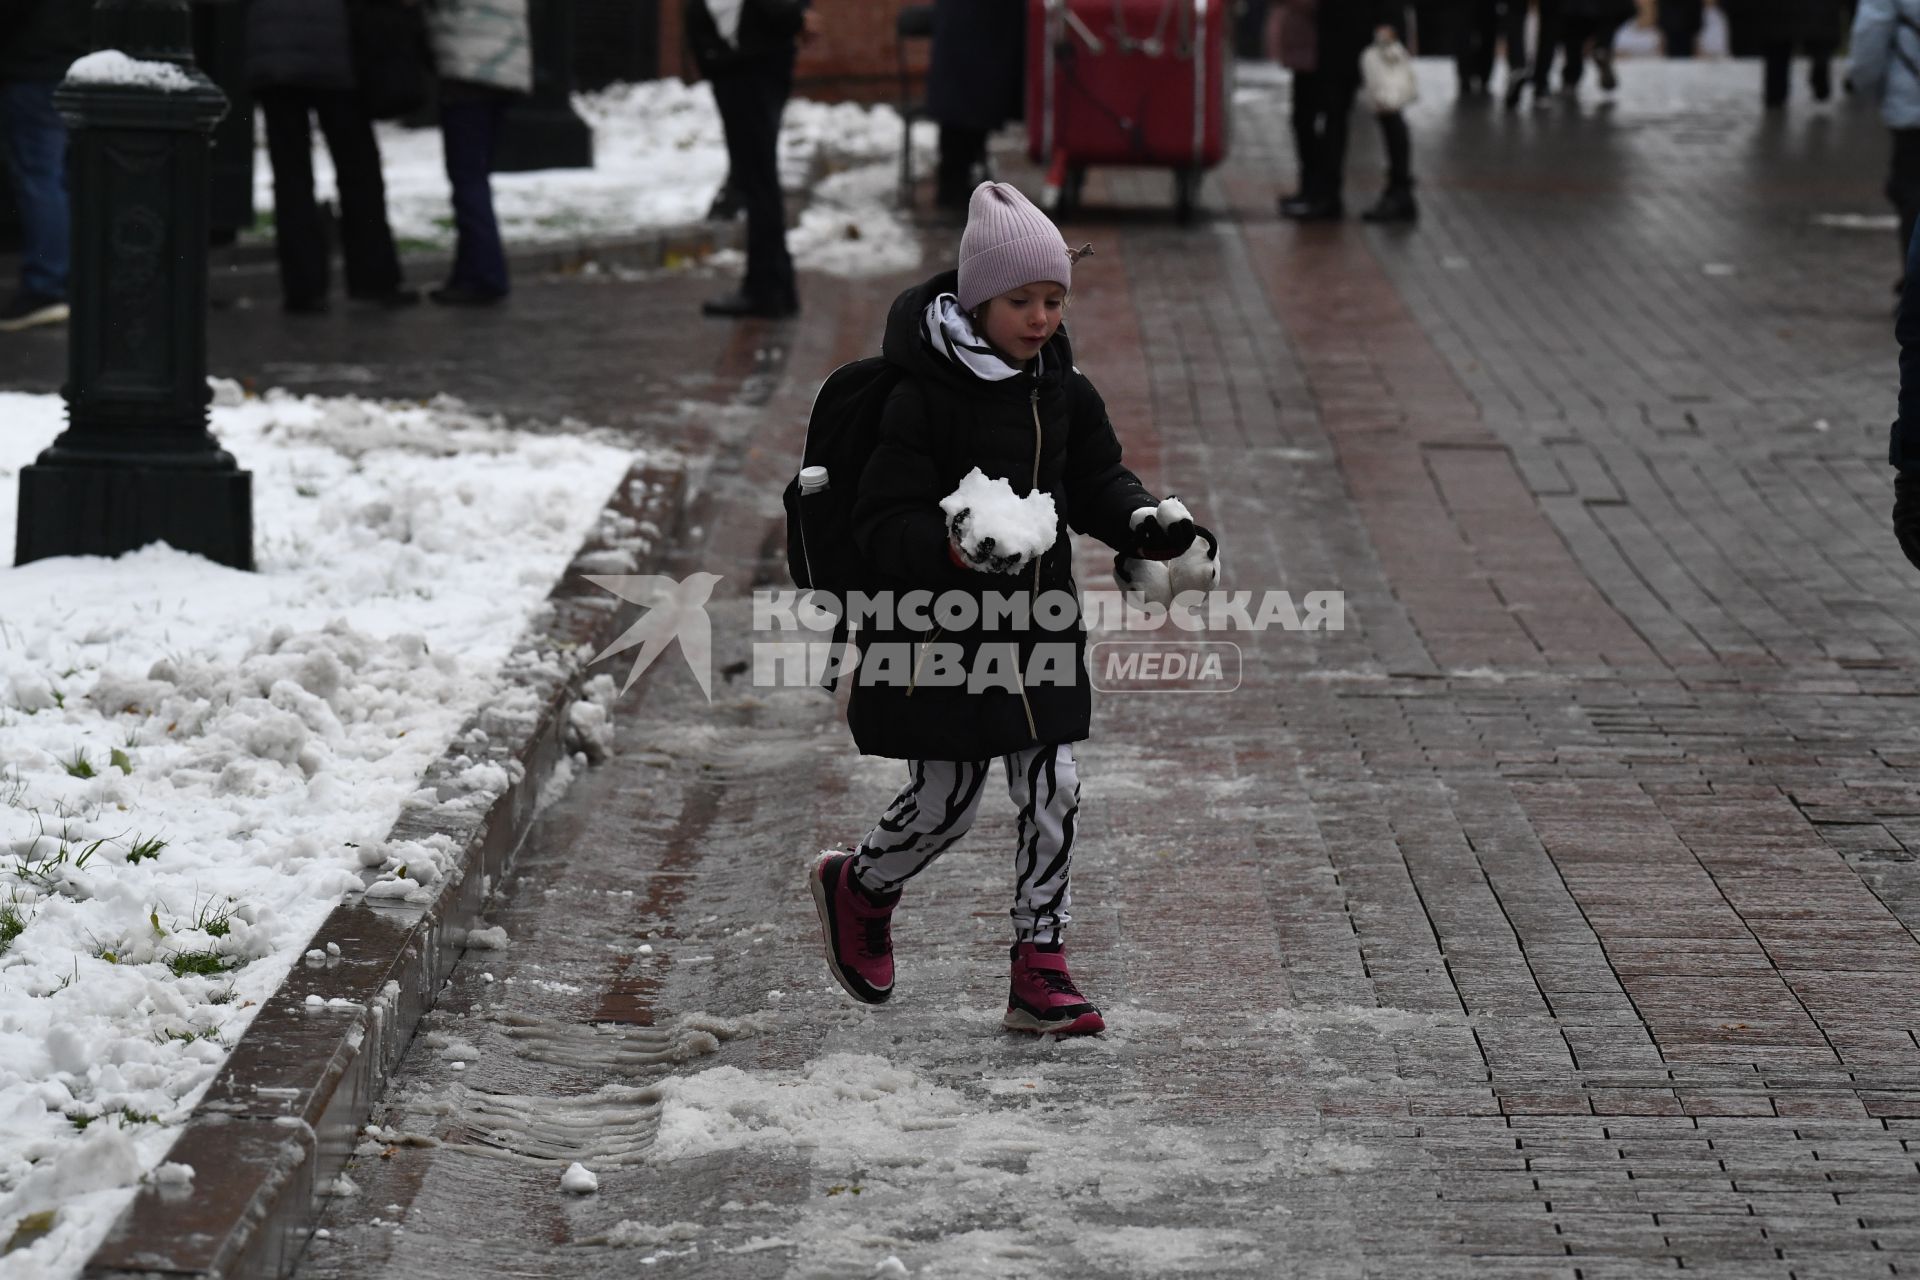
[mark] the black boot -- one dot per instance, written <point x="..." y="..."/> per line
<point x="1396" y="204"/>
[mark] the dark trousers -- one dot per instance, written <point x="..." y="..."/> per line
<point x="1778" y="62"/>
<point x="300" y="239"/>
<point x="961" y="151"/>
<point x="1322" y="102"/>
<point x="469" y="133"/>
<point x="1547" y="38"/>
<point x="751" y="95"/>
<point x="1680" y="23"/>
<point x="1575" y="33"/>
<point x="37" y="163"/>
<point x="1903" y="184"/>
<point x="1495" y="22"/>
<point x="1399" y="145"/>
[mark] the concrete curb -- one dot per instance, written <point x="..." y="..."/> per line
<point x="285" y="1112"/>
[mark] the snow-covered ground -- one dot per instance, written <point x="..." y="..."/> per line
<point x="195" y="761"/>
<point x="659" y="156"/>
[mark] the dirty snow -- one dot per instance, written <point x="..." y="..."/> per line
<point x="659" y="156"/>
<point x="196" y="763"/>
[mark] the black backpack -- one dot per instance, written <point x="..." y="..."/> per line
<point x="842" y="431"/>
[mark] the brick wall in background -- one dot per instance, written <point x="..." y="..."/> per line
<point x="856" y="56"/>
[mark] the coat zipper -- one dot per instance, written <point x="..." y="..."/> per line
<point x="913" y="680"/>
<point x="1033" y="403"/>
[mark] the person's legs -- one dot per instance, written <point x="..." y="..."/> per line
<point x="1396" y="203"/>
<point x="855" y="893"/>
<point x="1546" y="42"/>
<point x="1044" y="783"/>
<point x="749" y="98"/>
<point x="1513" y="33"/>
<point x="37" y="161"/>
<point x="1778" y="75"/>
<point x="366" y="240"/>
<point x="1575" y="33"/>
<point x="1306" y="133"/>
<point x="468" y="131"/>
<point x="1903" y="185"/>
<point x="1820" y="69"/>
<point x="299" y="237"/>
<point x="1341" y="89"/>
<point x="960" y="150"/>
<point x="927" y="818"/>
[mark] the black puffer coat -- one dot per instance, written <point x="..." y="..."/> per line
<point x="939" y="424"/>
<point x="299" y="44"/>
<point x="1346" y="29"/>
<point x="976" y="78"/>
<point x="39" y="39"/>
<point x="768" y="31"/>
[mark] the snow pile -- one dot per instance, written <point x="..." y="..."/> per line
<point x="579" y="1180"/>
<point x="196" y="762"/>
<point x="110" y="66"/>
<point x="997" y="529"/>
<point x="659" y="157"/>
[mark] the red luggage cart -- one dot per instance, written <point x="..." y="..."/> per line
<point x="1133" y="82"/>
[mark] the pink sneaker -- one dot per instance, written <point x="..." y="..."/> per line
<point x="1043" y="999"/>
<point x="856" y="925"/>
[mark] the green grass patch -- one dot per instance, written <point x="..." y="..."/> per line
<point x="144" y="847"/>
<point x="204" y="963"/>
<point x="78" y="766"/>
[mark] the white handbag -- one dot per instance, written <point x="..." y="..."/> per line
<point x="1386" y="71"/>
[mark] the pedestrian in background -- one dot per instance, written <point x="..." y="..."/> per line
<point x="1778" y="29"/>
<point x="746" y="50"/>
<point x="1494" y="23"/>
<point x="1886" y="64"/>
<point x="976" y="83"/>
<point x="1588" y="30"/>
<point x="483" y="51"/>
<point x="299" y="61"/>
<point x="1680" y="22"/>
<point x="39" y="40"/>
<point x="1386" y="71"/>
<point x="1321" y="42"/>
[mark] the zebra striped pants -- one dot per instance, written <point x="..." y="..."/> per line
<point x="939" y="804"/>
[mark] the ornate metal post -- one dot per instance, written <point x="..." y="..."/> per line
<point x="543" y="132"/>
<point x="137" y="463"/>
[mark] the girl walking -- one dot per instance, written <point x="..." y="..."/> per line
<point x="988" y="382"/>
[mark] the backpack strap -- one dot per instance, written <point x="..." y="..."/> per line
<point x="1903" y="23"/>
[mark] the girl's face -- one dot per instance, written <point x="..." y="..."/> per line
<point x="1019" y="322"/>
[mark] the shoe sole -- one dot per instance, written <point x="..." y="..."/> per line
<point x="1087" y="1024"/>
<point x="57" y="314"/>
<point x="818" y="885"/>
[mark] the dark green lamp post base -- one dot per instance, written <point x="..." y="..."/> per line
<point x="111" y="510"/>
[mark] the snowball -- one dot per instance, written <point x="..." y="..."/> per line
<point x="579" y="1179"/>
<point x="1018" y="526"/>
<point x="172" y="1174"/>
<point x="494" y="939"/>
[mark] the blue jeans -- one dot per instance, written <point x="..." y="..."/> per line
<point x="469" y="131"/>
<point x="37" y="164"/>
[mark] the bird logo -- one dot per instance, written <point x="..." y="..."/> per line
<point x="675" y="610"/>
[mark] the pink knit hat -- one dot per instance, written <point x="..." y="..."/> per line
<point x="1007" y="243"/>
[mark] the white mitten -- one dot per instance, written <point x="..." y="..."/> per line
<point x="1146" y="579"/>
<point x="1198" y="567"/>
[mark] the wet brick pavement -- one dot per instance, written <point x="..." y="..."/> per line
<point x="1552" y="920"/>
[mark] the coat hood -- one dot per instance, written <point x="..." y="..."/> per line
<point x="906" y="343"/>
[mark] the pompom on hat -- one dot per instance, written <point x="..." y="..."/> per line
<point x="1008" y="242"/>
